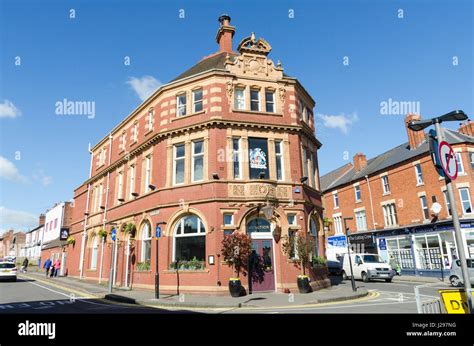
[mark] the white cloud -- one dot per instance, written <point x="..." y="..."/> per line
<point x="40" y="176"/>
<point x="17" y="219"/>
<point x="9" y="171"/>
<point x="144" y="86"/>
<point x="8" y="110"/>
<point x="341" y="122"/>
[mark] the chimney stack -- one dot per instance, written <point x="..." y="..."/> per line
<point x="415" y="138"/>
<point x="41" y="219"/>
<point x="360" y="162"/>
<point x="224" y="34"/>
<point x="467" y="128"/>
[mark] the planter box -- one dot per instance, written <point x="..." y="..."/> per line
<point x="319" y="277"/>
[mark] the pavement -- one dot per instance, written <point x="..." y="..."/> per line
<point x="335" y="293"/>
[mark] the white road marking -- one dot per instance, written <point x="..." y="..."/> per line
<point x="67" y="295"/>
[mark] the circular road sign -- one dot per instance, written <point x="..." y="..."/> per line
<point x="114" y="234"/>
<point x="448" y="160"/>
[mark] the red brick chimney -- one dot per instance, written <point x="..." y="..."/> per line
<point x="415" y="138"/>
<point x="467" y="128"/>
<point x="41" y="219"/>
<point x="224" y="34"/>
<point x="360" y="161"/>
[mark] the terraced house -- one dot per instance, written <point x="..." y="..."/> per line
<point x="394" y="200"/>
<point x="205" y="154"/>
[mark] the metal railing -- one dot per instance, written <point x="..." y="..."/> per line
<point x="431" y="306"/>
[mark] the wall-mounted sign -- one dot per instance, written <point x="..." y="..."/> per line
<point x="382" y="244"/>
<point x="258" y="154"/>
<point x="64" y="234"/>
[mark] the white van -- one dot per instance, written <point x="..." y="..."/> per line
<point x="366" y="267"/>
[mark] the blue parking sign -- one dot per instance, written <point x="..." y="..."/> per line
<point x="114" y="234"/>
<point x="383" y="244"/>
<point x="158" y="231"/>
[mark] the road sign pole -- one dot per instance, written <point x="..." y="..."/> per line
<point x="157" y="275"/>
<point x="111" y="276"/>
<point x="457" y="227"/>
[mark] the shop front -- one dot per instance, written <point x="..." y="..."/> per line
<point x="425" y="250"/>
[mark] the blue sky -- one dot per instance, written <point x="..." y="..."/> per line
<point x="426" y="56"/>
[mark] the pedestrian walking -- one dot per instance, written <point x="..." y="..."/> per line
<point x="24" y="265"/>
<point x="395" y="266"/>
<point x="56" y="265"/>
<point x="47" y="265"/>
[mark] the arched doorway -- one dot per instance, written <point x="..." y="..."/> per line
<point x="262" y="259"/>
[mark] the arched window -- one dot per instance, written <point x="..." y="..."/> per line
<point x="314" y="230"/>
<point x="146" y="242"/>
<point x="189" y="239"/>
<point x="94" y="252"/>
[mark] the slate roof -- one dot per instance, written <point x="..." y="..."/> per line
<point x="215" y="62"/>
<point x="401" y="153"/>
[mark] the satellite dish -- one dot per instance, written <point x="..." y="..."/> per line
<point x="436" y="208"/>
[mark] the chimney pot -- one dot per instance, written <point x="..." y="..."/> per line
<point x="467" y="128"/>
<point x="224" y="34"/>
<point x="360" y="161"/>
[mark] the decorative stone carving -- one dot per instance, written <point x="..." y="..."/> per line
<point x="230" y="90"/>
<point x="282" y="94"/>
<point x="252" y="190"/>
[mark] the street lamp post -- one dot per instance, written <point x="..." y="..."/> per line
<point x="421" y="125"/>
<point x="112" y="263"/>
<point x="354" y="288"/>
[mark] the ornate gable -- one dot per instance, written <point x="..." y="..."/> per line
<point x="253" y="60"/>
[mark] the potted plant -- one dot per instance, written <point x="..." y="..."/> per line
<point x="236" y="249"/>
<point x="129" y="228"/>
<point x="303" y="246"/>
<point x="327" y="222"/>
<point x="70" y="240"/>
<point x="102" y="233"/>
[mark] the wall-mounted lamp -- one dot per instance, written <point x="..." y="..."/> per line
<point x="152" y="187"/>
<point x="210" y="259"/>
<point x="303" y="180"/>
<point x="215" y="176"/>
<point x="135" y="194"/>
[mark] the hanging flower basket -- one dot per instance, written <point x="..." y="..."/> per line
<point x="102" y="233"/>
<point x="130" y="228"/>
<point x="70" y="240"/>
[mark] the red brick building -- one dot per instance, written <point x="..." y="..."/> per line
<point x="390" y="199"/>
<point x="204" y="154"/>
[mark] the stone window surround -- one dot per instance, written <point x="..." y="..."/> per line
<point x="186" y="139"/>
<point x="271" y="136"/>
<point x="262" y="89"/>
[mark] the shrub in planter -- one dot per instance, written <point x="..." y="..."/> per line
<point x="303" y="245"/>
<point x="236" y="249"/>
<point x="143" y="266"/>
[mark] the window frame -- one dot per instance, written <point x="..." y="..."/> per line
<point x="145" y="240"/>
<point x="272" y="102"/>
<point x="147" y="173"/>
<point x="237" y="154"/>
<point x="357" y="190"/>
<point x="279" y="160"/>
<point x="237" y="100"/>
<point x="335" y="199"/>
<point x="253" y="90"/>
<point x="468" y="200"/>
<point x="419" y="174"/>
<point x="231" y="219"/>
<point x="120" y="185"/>
<point x="195" y="102"/>
<point x="175" y="159"/>
<point x="424" y="207"/>
<point x="385" y="185"/>
<point x="193" y="158"/>
<point x="151" y="115"/>
<point x="94" y="253"/>
<point x="361" y="226"/>
<point x="449" y="211"/>
<point x="182" y="106"/>
<point x="200" y="226"/>
<point x="460" y="163"/>
<point x="132" y="181"/>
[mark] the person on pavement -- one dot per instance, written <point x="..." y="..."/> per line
<point x="47" y="265"/>
<point x="394" y="265"/>
<point x="56" y="265"/>
<point x="24" y="265"/>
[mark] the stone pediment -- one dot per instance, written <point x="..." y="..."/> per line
<point x="253" y="60"/>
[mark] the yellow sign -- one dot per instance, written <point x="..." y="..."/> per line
<point x="455" y="301"/>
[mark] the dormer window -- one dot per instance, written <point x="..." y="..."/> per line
<point x="197" y="100"/>
<point x="255" y="100"/>
<point x="181" y="105"/>
<point x="239" y="98"/>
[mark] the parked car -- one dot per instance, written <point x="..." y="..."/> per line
<point x="455" y="274"/>
<point x="334" y="267"/>
<point x="8" y="271"/>
<point x="366" y="267"/>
